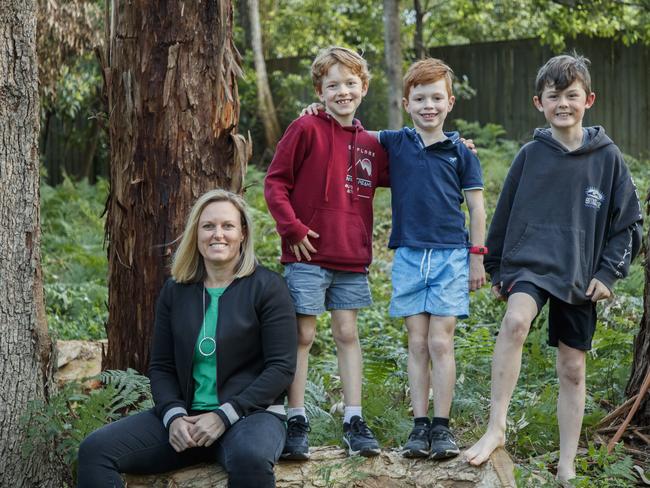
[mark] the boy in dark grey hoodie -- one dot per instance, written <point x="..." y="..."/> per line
<point x="567" y="224"/>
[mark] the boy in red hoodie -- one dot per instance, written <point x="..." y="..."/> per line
<point x="319" y="189"/>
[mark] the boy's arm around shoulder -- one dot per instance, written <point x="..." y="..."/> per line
<point x="290" y="152"/>
<point x="625" y="231"/>
<point x="499" y="223"/>
<point x="383" y="179"/>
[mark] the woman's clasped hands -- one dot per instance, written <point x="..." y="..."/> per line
<point x="195" y="431"/>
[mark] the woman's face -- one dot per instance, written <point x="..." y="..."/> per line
<point x="220" y="234"/>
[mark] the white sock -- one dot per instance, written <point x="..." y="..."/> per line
<point x="293" y="412"/>
<point x="350" y="412"/>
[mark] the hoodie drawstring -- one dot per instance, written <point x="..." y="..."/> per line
<point x="353" y="162"/>
<point x="330" y="162"/>
<point x="352" y="158"/>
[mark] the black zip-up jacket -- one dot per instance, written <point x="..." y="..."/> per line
<point x="256" y="346"/>
<point x="565" y="217"/>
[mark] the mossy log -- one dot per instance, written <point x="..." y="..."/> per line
<point x="329" y="467"/>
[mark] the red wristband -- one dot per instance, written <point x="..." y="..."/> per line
<point x="478" y="250"/>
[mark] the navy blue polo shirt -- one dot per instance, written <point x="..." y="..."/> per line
<point x="427" y="184"/>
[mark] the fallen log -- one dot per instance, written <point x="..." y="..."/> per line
<point x="329" y="467"/>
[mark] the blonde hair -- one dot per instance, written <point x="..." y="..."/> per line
<point x="187" y="263"/>
<point x="425" y="71"/>
<point x="329" y="56"/>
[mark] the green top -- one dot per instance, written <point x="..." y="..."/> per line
<point x="204" y="368"/>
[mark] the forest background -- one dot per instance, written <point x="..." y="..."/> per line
<point x="75" y="159"/>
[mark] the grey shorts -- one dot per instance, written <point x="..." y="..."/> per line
<point x="315" y="289"/>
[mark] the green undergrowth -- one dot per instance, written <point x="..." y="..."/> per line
<point x="74" y="258"/>
<point x="58" y="426"/>
<point x="75" y="271"/>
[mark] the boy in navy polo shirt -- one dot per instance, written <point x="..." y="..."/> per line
<point x="436" y="262"/>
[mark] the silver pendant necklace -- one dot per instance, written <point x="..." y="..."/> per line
<point x="207" y="343"/>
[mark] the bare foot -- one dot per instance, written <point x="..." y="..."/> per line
<point x="480" y="452"/>
<point x="564" y="476"/>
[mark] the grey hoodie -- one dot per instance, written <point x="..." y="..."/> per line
<point x="565" y="217"/>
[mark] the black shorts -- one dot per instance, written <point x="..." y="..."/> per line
<point x="574" y="325"/>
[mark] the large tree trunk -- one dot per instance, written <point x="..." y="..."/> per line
<point x="641" y="364"/>
<point x="265" y="105"/>
<point x="393" y="54"/>
<point x="25" y="348"/>
<point x="170" y="71"/>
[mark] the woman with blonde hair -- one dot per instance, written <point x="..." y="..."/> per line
<point x="223" y="355"/>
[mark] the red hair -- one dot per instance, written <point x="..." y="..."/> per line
<point x="425" y="71"/>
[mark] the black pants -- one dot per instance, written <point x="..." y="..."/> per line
<point x="140" y="445"/>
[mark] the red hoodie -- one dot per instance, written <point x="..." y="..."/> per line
<point x="309" y="186"/>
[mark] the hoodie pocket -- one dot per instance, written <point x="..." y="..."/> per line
<point x="342" y="236"/>
<point x="556" y="251"/>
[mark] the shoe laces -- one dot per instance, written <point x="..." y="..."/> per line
<point x="297" y="427"/>
<point x="441" y="434"/>
<point x="360" y="427"/>
<point x="419" y="432"/>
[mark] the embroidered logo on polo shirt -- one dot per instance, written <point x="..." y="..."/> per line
<point x="594" y="197"/>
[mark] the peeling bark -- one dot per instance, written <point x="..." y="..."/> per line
<point x="330" y="467"/>
<point x="25" y="347"/>
<point x="170" y="73"/>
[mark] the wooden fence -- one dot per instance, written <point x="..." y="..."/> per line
<point x="503" y="73"/>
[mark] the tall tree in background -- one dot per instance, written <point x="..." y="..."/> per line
<point x="641" y="364"/>
<point x="418" y="35"/>
<point x="170" y="71"/>
<point x="25" y="347"/>
<point x="265" y="105"/>
<point x="393" y="53"/>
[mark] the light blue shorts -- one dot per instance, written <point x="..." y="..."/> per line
<point x="315" y="289"/>
<point x="433" y="281"/>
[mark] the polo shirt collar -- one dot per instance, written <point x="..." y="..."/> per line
<point x="452" y="139"/>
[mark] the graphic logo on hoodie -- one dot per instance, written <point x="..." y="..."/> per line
<point x="364" y="175"/>
<point x="594" y="197"/>
<point x="366" y="166"/>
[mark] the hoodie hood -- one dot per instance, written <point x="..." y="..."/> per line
<point x="356" y="124"/>
<point x="336" y="127"/>
<point x="594" y="138"/>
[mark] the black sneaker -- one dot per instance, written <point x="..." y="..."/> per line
<point x="443" y="444"/>
<point x="296" y="444"/>
<point x="418" y="444"/>
<point x="359" y="438"/>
